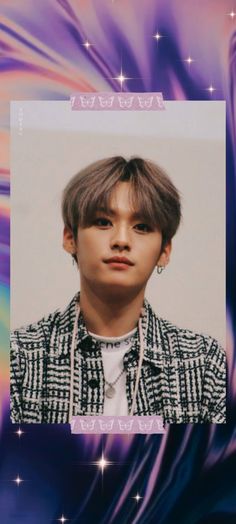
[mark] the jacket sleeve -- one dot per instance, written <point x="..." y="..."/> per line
<point x="17" y="365"/>
<point x="214" y="385"/>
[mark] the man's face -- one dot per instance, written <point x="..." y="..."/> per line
<point x="119" y="250"/>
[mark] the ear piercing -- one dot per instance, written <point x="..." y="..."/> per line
<point x="160" y="269"/>
<point x="73" y="258"/>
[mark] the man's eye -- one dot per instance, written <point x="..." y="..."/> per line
<point x="145" y="228"/>
<point x="102" y="222"/>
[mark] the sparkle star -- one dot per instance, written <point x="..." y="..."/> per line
<point x="62" y="519"/>
<point x="137" y="498"/>
<point x="19" y="432"/>
<point x="189" y="60"/>
<point x="121" y="78"/>
<point x="157" y="36"/>
<point x="18" y="480"/>
<point x="102" y="463"/>
<point x="211" y="89"/>
<point x="87" y="44"/>
<point x="232" y="14"/>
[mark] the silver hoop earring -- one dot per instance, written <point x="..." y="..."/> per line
<point x="160" y="269"/>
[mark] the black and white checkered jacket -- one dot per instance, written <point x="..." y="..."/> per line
<point x="183" y="375"/>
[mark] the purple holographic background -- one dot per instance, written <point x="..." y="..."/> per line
<point x="186" y="475"/>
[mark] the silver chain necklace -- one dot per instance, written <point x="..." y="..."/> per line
<point x="72" y="364"/>
<point x="111" y="391"/>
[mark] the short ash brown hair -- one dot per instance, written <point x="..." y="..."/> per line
<point x="153" y="194"/>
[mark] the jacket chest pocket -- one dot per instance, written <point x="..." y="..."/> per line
<point x="149" y="399"/>
<point x="153" y="386"/>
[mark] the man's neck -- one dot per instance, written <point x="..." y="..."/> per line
<point x="110" y="316"/>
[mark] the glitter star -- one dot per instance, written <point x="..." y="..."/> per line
<point x="211" y="89"/>
<point x="87" y="44"/>
<point x="121" y="78"/>
<point x="62" y="519"/>
<point x="137" y="498"/>
<point x="18" y="480"/>
<point x="189" y="60"/>
<point x="232" y="14"/>
<point x="102" y="463"/>
<point x="19" y="432"/>
<point x="157" y="36"/>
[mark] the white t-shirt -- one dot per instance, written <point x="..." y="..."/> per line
<point x="113" y="351"/>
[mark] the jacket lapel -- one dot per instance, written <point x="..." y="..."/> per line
<point x="157" y="391"/>
<point x="159" y="339"/>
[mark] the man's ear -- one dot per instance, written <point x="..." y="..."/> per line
<point x="164" y="257"/>
<point x="68" y="241"/>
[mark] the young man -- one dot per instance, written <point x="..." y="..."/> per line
<point x="108" y="353"/>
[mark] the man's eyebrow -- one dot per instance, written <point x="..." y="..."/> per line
<point x="112" y="212"/>
<point x="107" y="210"/>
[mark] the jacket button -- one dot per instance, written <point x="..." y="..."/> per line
<point x="93" y="383"/>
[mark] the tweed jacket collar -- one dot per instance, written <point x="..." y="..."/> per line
<point x="157" y="336"/>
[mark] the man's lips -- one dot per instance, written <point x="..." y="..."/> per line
<point x="119" y="260"/>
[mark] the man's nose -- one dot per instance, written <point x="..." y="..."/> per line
<point x="121" y="238"/>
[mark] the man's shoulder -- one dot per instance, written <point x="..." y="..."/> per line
<point x="184" y="333"/>
<point x="185" y="338"/>
<point x="193" y="339"/>
<point x="35" y="331"/>
<point x="35" y="334"/>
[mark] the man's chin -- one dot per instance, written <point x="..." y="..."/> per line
<point x="117" y="288"/>
<point x="117" y="282"/>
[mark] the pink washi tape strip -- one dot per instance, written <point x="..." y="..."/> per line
<point x="117" y="102"/>
<point x="117" y="425"/>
